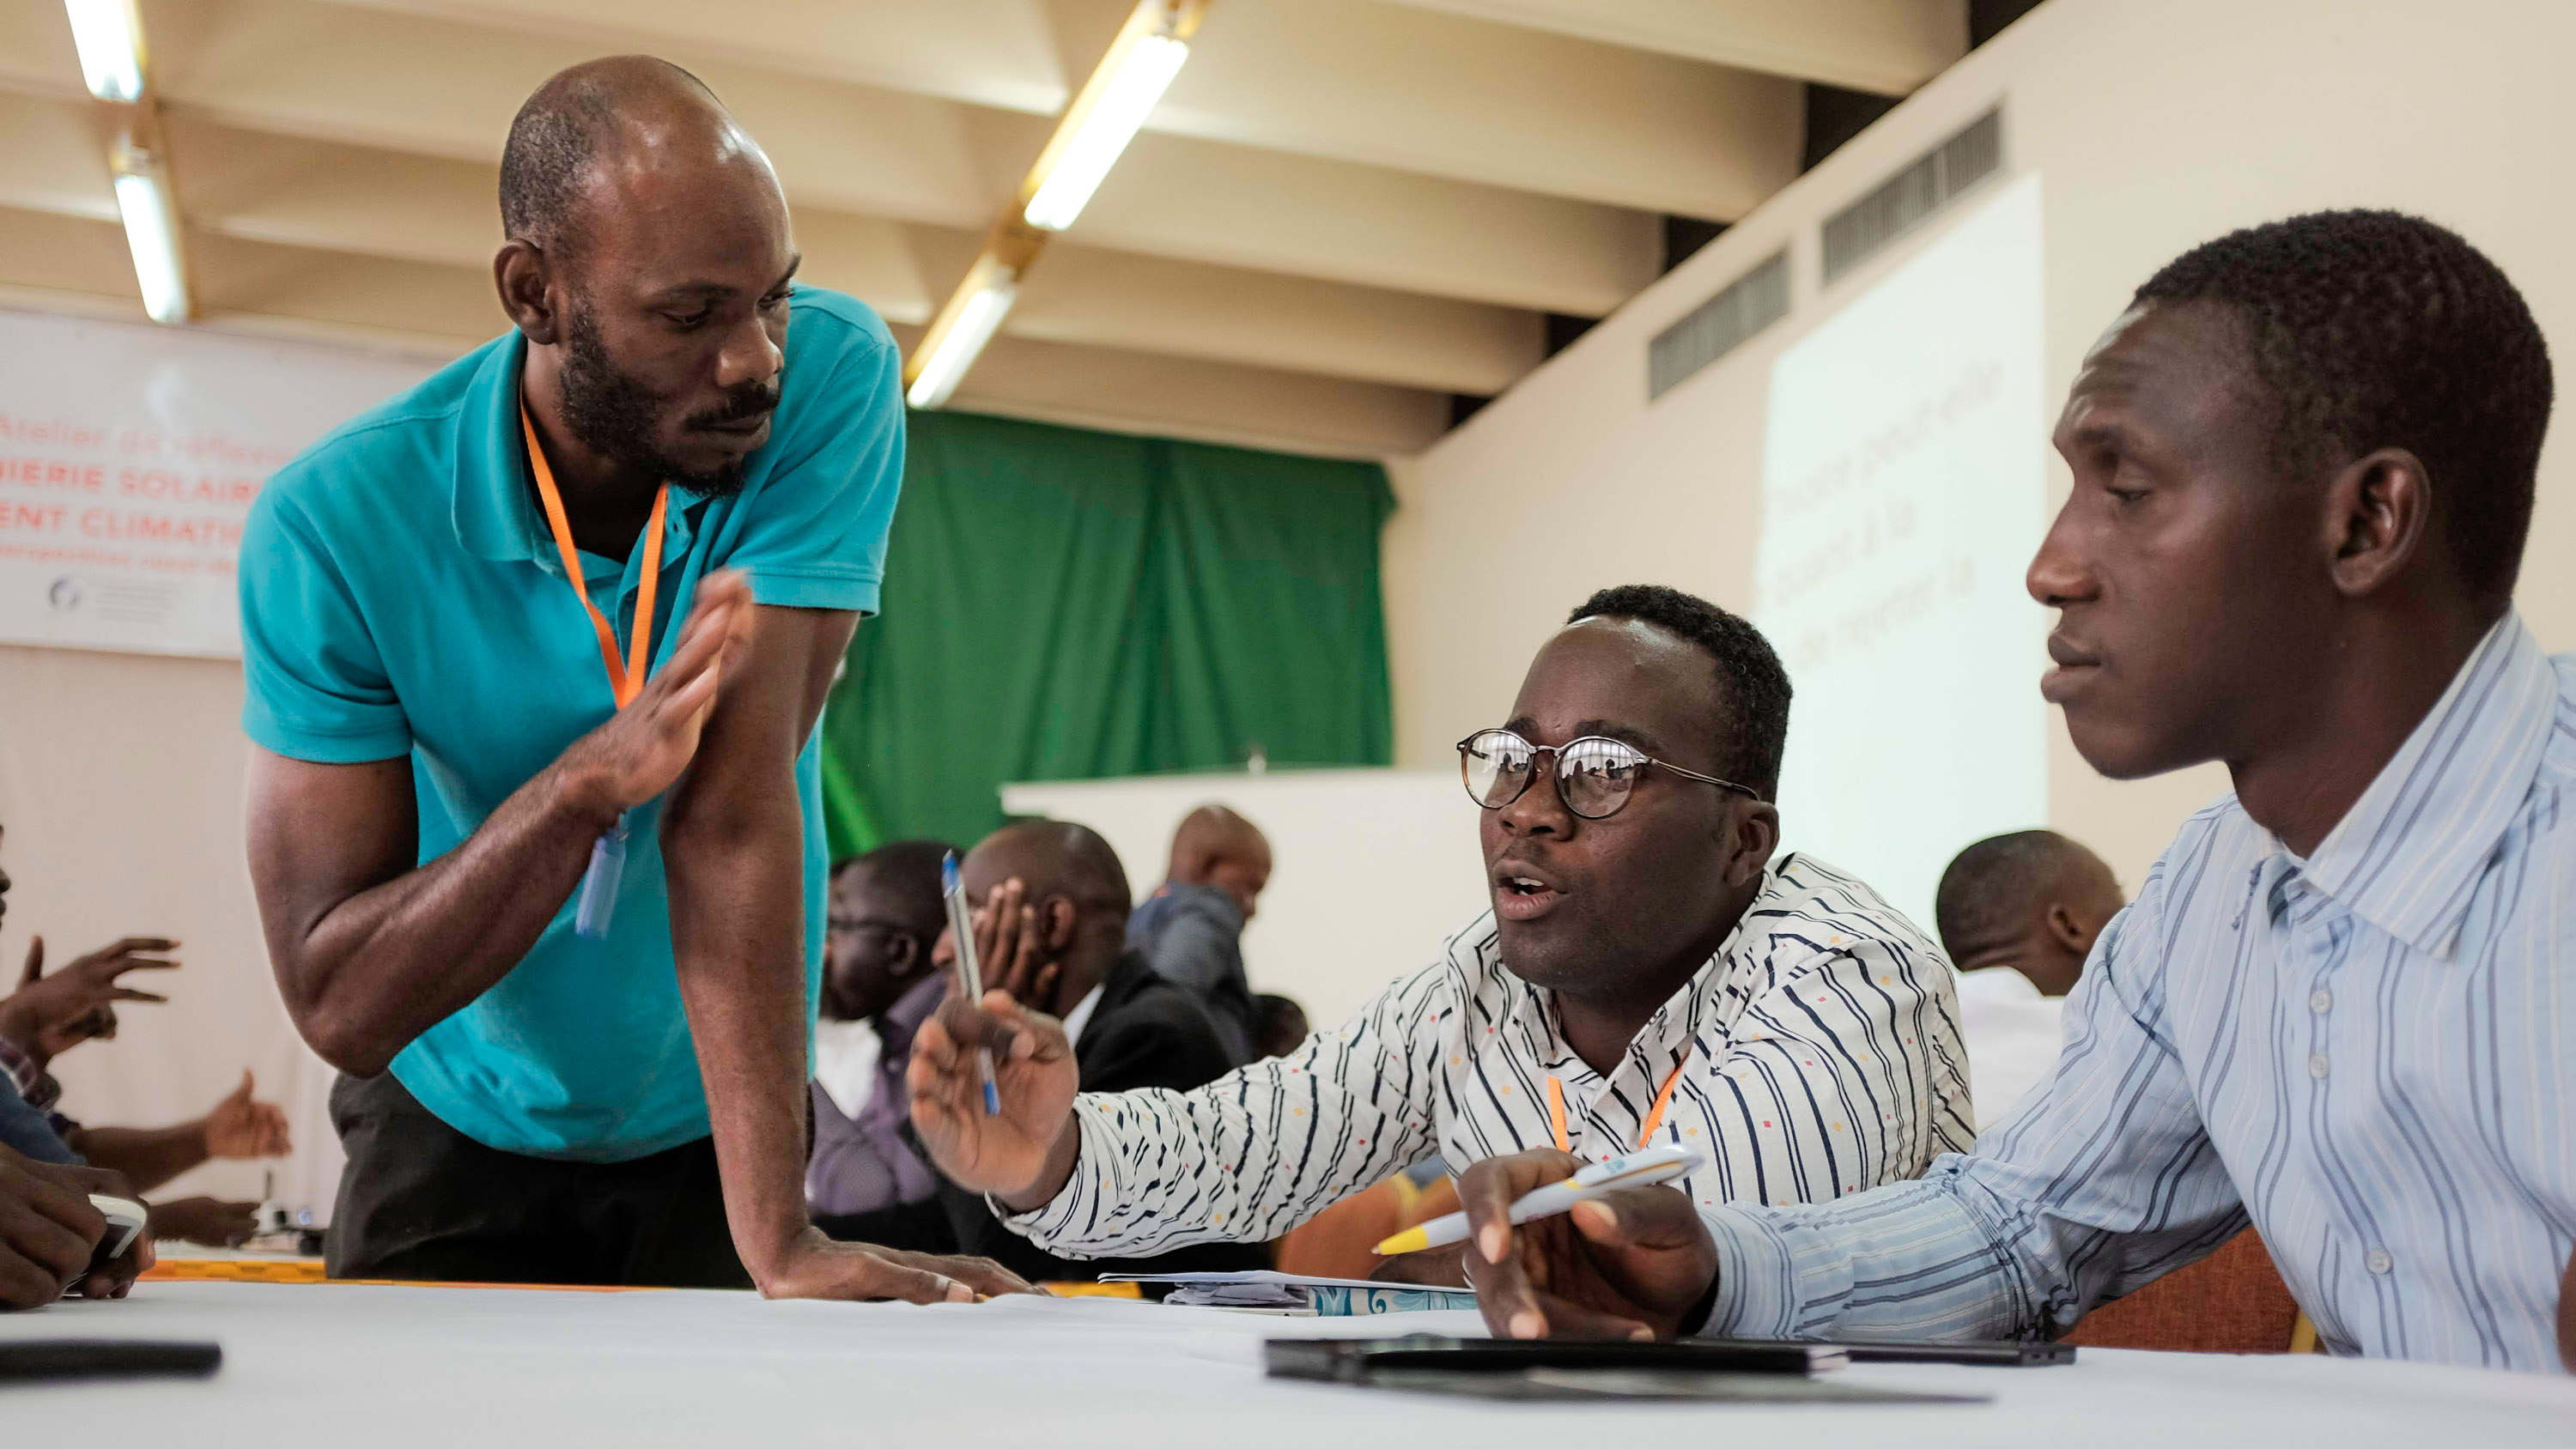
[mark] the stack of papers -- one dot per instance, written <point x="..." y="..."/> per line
<point x="1265" y="1291"/>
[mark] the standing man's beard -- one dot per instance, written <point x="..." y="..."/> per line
<point x="614" y="413"/>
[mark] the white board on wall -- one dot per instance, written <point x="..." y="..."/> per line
<point x="1371" y="870"/>
<point x="1903" y="493"/>
<point x="129" y="455"/>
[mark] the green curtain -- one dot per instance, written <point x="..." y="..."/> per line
<point x="1065" y="604"/>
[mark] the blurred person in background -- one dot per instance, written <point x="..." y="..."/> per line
<point x="1191" y="929"/>
<point x="1283" y="1026"/>
<point x="50" y="1014"/>
<point x="879" y="985"/>
<point x="2018" y="914"/>
<point x="1051" y="935"/>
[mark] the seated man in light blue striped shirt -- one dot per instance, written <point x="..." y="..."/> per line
<point x="2344" y="1006"/>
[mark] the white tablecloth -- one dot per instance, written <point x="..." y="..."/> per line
<point x="485" y="1368"/>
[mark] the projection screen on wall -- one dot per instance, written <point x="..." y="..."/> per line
<point x="1903" y="494"/>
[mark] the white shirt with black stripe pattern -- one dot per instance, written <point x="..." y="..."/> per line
<point x="1818" y="1049"/>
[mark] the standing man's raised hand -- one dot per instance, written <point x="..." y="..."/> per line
<point x="1632" y="1264"/>
<point x="641" y="749"/>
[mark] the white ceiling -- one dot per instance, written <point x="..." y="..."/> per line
<point x="1343" y="212"/>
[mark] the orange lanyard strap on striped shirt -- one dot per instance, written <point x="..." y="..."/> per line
<point x="1654" y="1117"/>
<point x="625" y="677"/>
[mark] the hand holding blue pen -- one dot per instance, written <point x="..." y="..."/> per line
<point x="970" y="974"/>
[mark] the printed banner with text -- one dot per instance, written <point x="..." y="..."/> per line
<point x="129" y="456"/>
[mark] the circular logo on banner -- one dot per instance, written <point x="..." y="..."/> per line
<point x="65" y="595"/>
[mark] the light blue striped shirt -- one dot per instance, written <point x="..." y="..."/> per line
<point x="2370" y="1055"/>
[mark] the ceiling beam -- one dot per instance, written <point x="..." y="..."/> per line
<point x="77" y="265"/>
<point x="1176" y="397"/>
<point x="1885" y="46"/>
<point x="1343" y="80"/>
<point x="1224" y="314"/>
<point x="1355" y="80"/>
<point x="317" y="196"/>
<point x="333" y="73"/>
<point x="1199" y="200"/>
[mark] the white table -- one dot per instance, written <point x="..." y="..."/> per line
<point x="486" y="1368"/>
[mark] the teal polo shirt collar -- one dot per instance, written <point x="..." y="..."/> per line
<point x="496" y="518"/>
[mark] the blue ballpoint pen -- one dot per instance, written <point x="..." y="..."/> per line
<point x="970" y="973"/>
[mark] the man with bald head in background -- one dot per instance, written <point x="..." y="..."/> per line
<point x="1191" y="929"/>
<point x="1051" y="934"/>
<point x="2018" y="913"/>
<point x="534" y="654"/>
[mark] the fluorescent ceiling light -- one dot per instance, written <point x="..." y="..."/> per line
<point x="1103" y="120"/>
<point x="954" y="349"/>
<point x="152" y="234"/>
<point x="109" y="37"/>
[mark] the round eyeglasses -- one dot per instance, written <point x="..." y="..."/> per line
<point x="1595" y="775"/>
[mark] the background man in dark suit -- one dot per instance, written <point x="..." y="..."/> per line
<point x="1051" y="931"/>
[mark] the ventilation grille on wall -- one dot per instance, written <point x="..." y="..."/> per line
<point x="1910" y="197"/>
<point x="1712" y="329"/>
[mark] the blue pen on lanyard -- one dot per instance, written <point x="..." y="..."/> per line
<point x="970" y="974"/>
<point x="599" y="883"/>
<point x="597" y="903"/>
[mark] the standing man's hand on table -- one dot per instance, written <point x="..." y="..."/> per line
<point x="816" y="1266"/>
<point x="49" y="1015"/>
<point x="1630" y="1264"/>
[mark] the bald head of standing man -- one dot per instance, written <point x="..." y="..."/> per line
<point x="534" y="653"/>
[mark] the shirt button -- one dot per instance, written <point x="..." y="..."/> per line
<point x="2317" y="1066"/>
<point x="2379" y="1261"/>
<point x="2320" y="999"/>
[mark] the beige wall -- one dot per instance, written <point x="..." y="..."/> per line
<point x="2155" y="126"/>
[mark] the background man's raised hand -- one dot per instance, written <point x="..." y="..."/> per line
<point x="49" y="1015"/>
<point x="241" y="1127"/>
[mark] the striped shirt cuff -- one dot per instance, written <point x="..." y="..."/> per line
<point x="1757" y="1277"/>
<point x="1056" y="1220"/>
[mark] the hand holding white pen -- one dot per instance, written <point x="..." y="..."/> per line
<point x="1636" y="1169"/>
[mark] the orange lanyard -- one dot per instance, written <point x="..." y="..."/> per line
<point x="1654" y="1118"/>
<point x="625" y="678"/>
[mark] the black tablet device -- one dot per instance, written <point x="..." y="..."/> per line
<point x="1692" y="1369"/>
<point x="33" y="1359"/>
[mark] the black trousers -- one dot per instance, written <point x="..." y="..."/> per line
<point x="422" y="1200"/>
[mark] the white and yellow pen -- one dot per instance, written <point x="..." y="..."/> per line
<point x="1637" y="1169"/>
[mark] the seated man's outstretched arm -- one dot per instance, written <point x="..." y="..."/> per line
<point x="1127" y="1174"/>
<point x="2100" y="1182"/>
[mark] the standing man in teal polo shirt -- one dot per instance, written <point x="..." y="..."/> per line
<point x="534" y="654"/>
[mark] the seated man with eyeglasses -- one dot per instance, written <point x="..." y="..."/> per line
<point x="1648" y="972"/>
